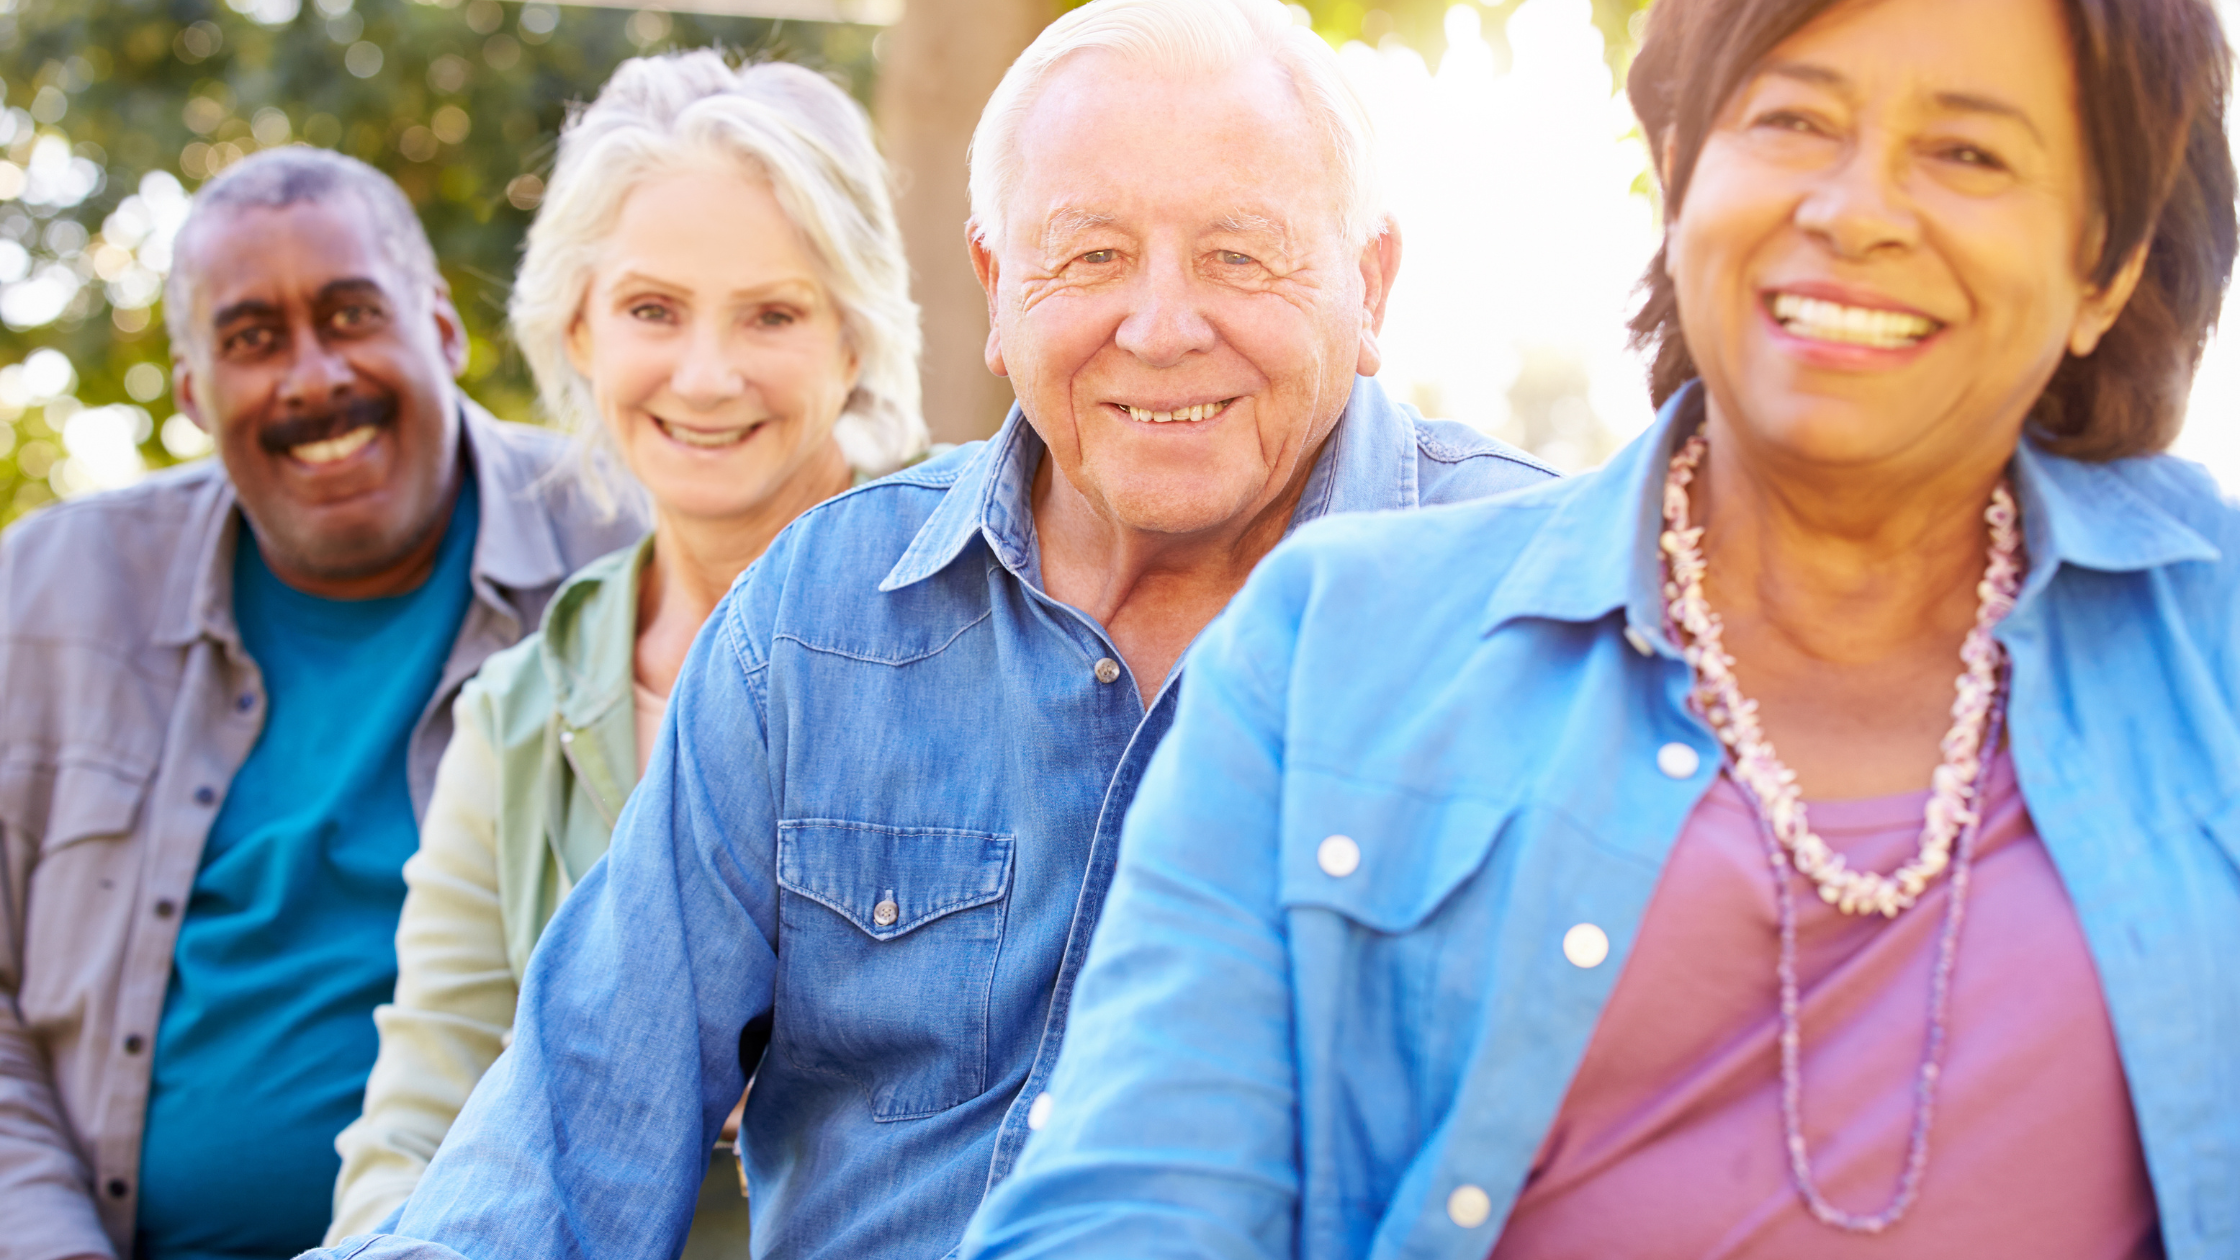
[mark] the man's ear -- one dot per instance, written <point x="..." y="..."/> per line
<point x="2098" y="312"/>
<point x="186" y="390"/>
<point x="451" y="333"/>
<point x="1380" y="265"/>
<point x="984" y="266"/>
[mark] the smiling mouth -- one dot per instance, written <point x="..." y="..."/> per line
<point x="1818" y="320"/>
<point x="334" y="449"/>
<point x="1181" y="415"/>
<point x="706" y="439"/>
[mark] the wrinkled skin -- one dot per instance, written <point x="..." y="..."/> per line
<point x="1172" y="245"/>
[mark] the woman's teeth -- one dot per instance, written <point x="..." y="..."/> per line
<point x="707" y="439"/>
<point x="1853" y="325"/>
<point x="328" y="450"/>
<point x="1202" y="411"/>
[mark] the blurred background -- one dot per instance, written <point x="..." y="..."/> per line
<point x="1512" y="162"/>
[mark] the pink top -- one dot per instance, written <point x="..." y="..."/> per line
<point x="1669" y="1142"/>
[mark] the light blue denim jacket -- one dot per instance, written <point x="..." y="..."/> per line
<point x="1269" y="1058"/>
<point x="875" y="835"/>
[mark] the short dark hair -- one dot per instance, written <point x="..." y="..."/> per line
<point x="288" y="176"/>
<point x="2152" y="83"/>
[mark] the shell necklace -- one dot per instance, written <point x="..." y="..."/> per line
<point x="1957" y="787"/>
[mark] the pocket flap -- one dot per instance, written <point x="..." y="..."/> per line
<point x="77" y="800"/>
<point x="891" y="880"/>
<point x="1398" y="853"/>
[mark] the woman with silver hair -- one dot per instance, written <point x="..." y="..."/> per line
<point x="714" y="297"/>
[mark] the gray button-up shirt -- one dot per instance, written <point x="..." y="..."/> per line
<point x="127" y="703"/>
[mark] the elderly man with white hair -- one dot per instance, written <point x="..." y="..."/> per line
<point x="865" y="861"/>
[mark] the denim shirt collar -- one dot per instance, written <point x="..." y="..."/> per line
<point x="1598" y="549"/>
<point x="1367" y="464"/>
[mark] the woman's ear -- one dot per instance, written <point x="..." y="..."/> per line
<point x="2101" y="306"/>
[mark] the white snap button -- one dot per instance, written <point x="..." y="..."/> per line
<point x="1108" y="670"/>
<point x="1469" y="1206"/>
<point x="1586" y="945"/>
<point x="885" y="913"/>
<point x="1338" y="856"/>
<point x="1639" y="640"/>
<point x="1038" y="1112"/>
<point x="1678" y="761"/>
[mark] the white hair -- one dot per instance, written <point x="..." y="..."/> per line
<point x="1188" y="37"/>
<point x="689" y="110"/>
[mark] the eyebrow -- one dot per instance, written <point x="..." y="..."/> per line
<point x="1068" y="221"/>
<point x="1959" y="102"/>
<point x="1244" y="222"/>
<point x="329" y="293"/>
<point x="774" y="287"/>
<point x="245" y="309"/>
<point x="352" y="286"/>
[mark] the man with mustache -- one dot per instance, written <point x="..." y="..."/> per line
<point x="223" y="693"/>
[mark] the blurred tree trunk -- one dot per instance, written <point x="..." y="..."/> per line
<point x="943" y="59"/>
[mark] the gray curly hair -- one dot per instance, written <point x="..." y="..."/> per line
<point x="787" y="124"/>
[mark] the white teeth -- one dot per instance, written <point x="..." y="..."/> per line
<point x="1191" y="414"/>
<point x="1853" y="325"/>
<point x="707" y="439"/>
<point x="331" y="449"/>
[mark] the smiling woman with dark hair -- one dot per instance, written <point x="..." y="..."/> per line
<point x="1815" y="833"/>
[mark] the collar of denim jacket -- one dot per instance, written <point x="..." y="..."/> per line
<point x="1596" y="549"/>
<point x="1367" y="464"/>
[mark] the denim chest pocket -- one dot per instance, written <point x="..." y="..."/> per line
<point x="887" y="948"/>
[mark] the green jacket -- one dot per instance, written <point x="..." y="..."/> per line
<point x="562" y="723"/>
<point x="543" y="755"/>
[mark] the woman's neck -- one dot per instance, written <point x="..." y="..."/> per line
<point x="696" y="559"/>
<point x="1845" y="595"/>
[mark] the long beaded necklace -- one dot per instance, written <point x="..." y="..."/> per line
<point x="1950" y="819"/>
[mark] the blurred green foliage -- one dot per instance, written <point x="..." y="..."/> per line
<point x="458" y="100"/>
<point x="111" y="109"/>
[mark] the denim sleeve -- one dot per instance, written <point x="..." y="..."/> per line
<point x="590" y="1135"/>
<point x="1170" y="1127"/>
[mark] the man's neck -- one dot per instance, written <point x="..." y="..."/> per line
<point x="406" y="573"/>
<point x="1152" y="592"/>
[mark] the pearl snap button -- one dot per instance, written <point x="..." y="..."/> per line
<point x="1108" y="670"/>
<point x="1469" y="1206"/>
<point x="1639" y="640"/>
<point x="1038" y="1112"/>
<point x="885" y="913"/>
<point x="1586" y="945"/>
<point x="1678" y="761"/>
<point x="1338" y="856"/>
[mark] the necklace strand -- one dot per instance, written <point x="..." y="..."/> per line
<point x="1735" y="719"/>
<point x="1959" y="787"/>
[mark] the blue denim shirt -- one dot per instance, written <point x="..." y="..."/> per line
<point x="1273" y="1055"/>
<point x="875" y="835"/>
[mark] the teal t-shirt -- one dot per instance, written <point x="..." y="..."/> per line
<point x="289" y="939"/>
